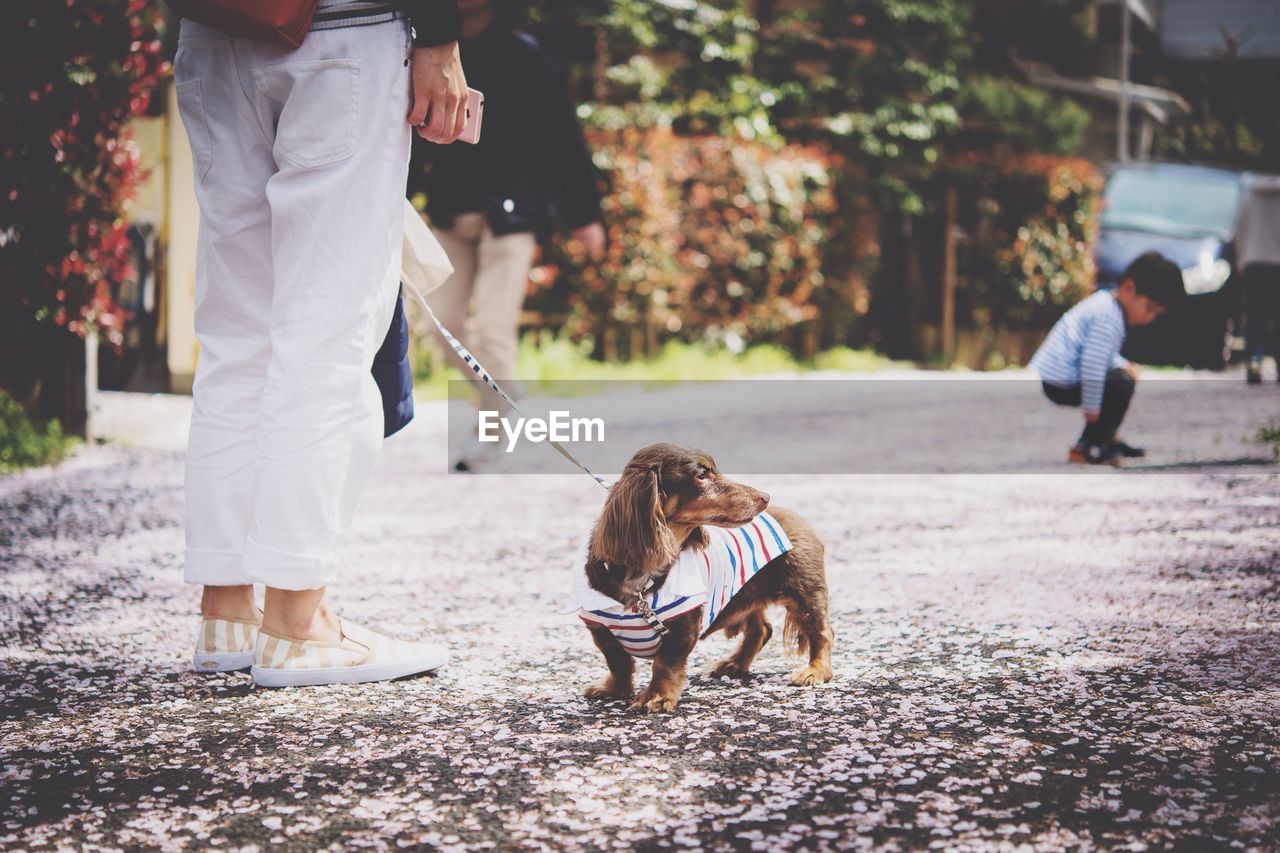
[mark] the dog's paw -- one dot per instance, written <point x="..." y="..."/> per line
<point x="654" y="703"/>
<point x="731" y="668"/>
<point x="607" y="691"/>
<point x="807" y="676"/>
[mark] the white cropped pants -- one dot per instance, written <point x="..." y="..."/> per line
<point x="301" y="158"/>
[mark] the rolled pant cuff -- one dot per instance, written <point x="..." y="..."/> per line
<point x="284" y="570"/>
<point x="215" y="568"/>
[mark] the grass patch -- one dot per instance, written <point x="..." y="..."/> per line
<point x="24" y="444"/>
<point x="1271" y="435"/>
<point x="546" y="361"/>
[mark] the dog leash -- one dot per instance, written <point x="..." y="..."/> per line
<point x="642" y="605"/>
<point x="477" y="368"/>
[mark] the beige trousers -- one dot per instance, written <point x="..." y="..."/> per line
<point x="481" y="301"/>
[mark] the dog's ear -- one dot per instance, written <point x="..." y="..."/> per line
<point x="632" y="529"/>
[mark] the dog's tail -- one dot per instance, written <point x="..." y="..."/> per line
<point x="793" y="639"/>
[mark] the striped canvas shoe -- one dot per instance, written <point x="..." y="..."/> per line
<point x="362" y="656"/>
<point x="225" y="645"/>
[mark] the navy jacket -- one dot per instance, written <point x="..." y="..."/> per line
<point x="531" y="168"/>
<point x="392" y="373"/>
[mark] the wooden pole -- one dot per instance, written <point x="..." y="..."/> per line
<point x="90" y="380"/>
<point x="1122" y="124"/>
<point x="949" y="272"/>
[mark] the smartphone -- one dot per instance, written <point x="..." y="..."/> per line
<point x="475" y="113"/>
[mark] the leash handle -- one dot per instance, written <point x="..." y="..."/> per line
<point x="477" y="368"/>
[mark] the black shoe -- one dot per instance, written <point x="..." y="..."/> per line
<point x="1253" y="373"/>
<point x="1083" y="453"/>
<point x="1128" y="450"/>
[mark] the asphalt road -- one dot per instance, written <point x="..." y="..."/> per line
<point x="1053" y="660"/>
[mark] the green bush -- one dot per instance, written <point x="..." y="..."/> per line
<point x="712" y="239"/>
<point x="1271" y="435"/>
<point x="545" y="359"/>
<point x="1034" y="232"/>
<point x="22" y="443"/>
<point x="72" y="77"/>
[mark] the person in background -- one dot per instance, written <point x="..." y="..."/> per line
<point x="490" y="203"/>
<point x="1258" y="262"/>
<point x="1080" y="364"/>
<point x="300" y="163"/>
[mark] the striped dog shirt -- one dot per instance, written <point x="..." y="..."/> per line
<point x="707" y="578"/>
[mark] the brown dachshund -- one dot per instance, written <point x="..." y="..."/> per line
<point x="656" y="510"/>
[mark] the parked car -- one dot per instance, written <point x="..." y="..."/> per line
<point x="1186" y="213"/>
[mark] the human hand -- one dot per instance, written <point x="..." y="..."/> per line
<point x="439" y="90"/>
<point x="591" y="236"/>
<point x="1133" y="371"/>
<point x="1090" y="417"/>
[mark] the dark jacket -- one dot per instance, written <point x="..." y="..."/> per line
<point x="531" y="166"/>
<point x="393" y="373"/>
<point x="434" y="21"/>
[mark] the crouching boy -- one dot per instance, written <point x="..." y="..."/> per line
<point x="1080" y="364"/>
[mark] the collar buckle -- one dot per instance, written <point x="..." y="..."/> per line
<point x="646" y="610"/>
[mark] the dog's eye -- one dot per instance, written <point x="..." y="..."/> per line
<point x="703" y="474"/>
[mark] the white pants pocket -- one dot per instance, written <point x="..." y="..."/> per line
<point x="191" y="109"/>
<point x="319" y="120"/>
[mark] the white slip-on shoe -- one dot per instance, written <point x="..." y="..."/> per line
<point x="225" y="645"/>
<point x="362" y="656"/>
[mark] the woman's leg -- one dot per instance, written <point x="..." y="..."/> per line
<point x="341" y="144"/>
<point x="232" y="163"/>
<point x="452" y="300"/>
<point x="502" y="277"/>
<point x="451" y="303"/>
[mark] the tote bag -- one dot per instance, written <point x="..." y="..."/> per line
<point x="279" y="21"/>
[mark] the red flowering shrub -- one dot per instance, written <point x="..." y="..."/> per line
<point x="710" y="239"/>
<point x="72" y="73"/>
<point x="1032" y="253"/>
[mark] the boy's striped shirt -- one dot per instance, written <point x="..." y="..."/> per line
<point x="707" y="578"/>
<point x="1082" y="346"/>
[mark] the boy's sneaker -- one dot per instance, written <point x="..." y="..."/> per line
<point x="1082" y="453"/>
<point x="1127" y="450"/>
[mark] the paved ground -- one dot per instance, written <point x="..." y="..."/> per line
<point x="1057" y="661"/>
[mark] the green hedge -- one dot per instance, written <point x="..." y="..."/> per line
<point x="711" y="239"/>
<point x="23" y="443"/>
<point x="1032" y="251"/>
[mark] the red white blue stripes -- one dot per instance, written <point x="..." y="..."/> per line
<point x="708" y="578"/>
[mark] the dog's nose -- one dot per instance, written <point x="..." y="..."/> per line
<point x="764" y="496"/>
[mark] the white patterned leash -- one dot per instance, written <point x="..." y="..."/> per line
<point x="477" y="368"/>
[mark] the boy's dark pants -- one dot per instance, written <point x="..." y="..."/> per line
<point x="1116" y="394"/>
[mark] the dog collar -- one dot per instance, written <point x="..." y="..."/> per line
<point x="641" y="605"/>
<point x="646" y="610"/>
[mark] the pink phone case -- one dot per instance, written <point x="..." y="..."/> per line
<point x="475" y="114"/>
